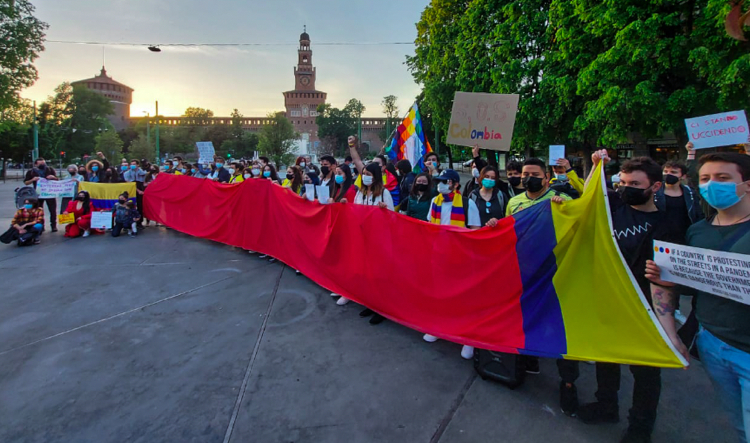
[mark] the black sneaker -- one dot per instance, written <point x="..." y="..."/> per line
<point x="54" y="229"/>
<point x="568" y="399"/>
<point x="366" y="313"/>
<point x="634" y="436"/>
<point x="532" y="365"/>
<point x="595" y="413"/>
<point x="376" y="319"/>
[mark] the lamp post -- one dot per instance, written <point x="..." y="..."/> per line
<point x="35" y="152"/>
<point x="158" y="157"/>
<point x="148" y="127"/>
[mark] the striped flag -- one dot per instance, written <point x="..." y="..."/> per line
<point x="409" y="141"/>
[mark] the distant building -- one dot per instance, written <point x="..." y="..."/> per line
<point x="121" y="97"/>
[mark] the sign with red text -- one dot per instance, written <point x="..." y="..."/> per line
<point x="725" y="129"/>
<point x="483" y="119"/>
<point x="724" y="274"/>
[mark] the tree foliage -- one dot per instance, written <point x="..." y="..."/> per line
<point x="21" y="41"/>
<point x="277" y="138"/>
<point x="141" y="147"/>
<point x="109" y="143"/>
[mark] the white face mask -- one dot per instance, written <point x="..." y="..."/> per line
<point x="302" y="164"/>
<point x="367" y="180"/>
<point x="443" y="188"/>
<point x="562" y="177"/>
<point x="247" y="176"/>
<point x="231" y="171"/>
<point x="475" y="172"/>
<point x="255" y="171"/>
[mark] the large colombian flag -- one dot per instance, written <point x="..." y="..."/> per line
<point x="105" y="195"/>
<point x="549" y="281"/>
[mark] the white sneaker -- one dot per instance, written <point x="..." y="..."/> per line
<point x="430" y="338"/>
<point x="86" y="233"/>
<point x="251" y="252"/>
<point x="467" y="352"/>
<point x="342" y="301"/>
<point x="333" y="294"/>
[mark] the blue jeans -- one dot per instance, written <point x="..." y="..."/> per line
<point x="729" y="370"/>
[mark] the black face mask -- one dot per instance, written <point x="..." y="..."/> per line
<point x="290" y="177"/>
<point x="325" y="170"/>
<point x="80" y="198"/>
<point x="420" y="187"/>
<point x="514" y="181"/>
<point x="533" y="184"/>
<point x="42" y="167"/>
<point x="109" y="173"/>
<point x="122" y="202"/>
<point x="634" y="196"/>
<point x="671" y="179"/>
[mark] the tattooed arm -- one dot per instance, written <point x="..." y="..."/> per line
<point x="665" y="302"/>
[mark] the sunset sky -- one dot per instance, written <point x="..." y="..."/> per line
<point x="250" y="78"/>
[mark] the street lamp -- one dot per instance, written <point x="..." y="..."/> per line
<point x="154" y="48"/>
<point x="148" y="127"/>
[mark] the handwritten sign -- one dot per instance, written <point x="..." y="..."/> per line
<point x="55" y="188"/>
<point x="556" y="152"/>
<point x="206" y="152"/>
<point x="101" y="220"/>
<point x="66" y="219"/>
<point x="710" y="131"/>
<point x="724" y="274"/>
<point x="482" y="119"/>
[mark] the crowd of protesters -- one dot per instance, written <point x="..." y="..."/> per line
<point x="701" y="203"/>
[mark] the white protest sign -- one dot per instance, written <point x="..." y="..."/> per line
<point x="482" y="119"/>
<point x="323" y="194"/>
<point x="101" y="220"/>
<point x="710" y="131"/>
<point x="206" y="151"/>
<point x="555" y="152"/>
<point x="725" y="274"/>
<point x="55" y="188"/>
<point x="310" y="191"/>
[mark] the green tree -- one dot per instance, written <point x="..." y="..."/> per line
<point x="200" y="115"/>
<point x="277" y="138"/>
<point x="110" y="144"/>
<point x="141" y="148"/>
<point x="21" y="41"/>
<point x="390" y="109"/>
<point x="334" y="127"/>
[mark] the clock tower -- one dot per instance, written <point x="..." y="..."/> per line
<point x="302" y="102"/>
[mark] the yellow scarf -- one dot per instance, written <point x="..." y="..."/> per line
<point x="458" y="217"/>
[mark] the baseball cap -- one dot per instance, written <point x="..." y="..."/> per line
<point x="448" y="174"/>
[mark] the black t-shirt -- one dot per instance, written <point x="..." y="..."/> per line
<point x="35" y="172"/>
<point x="488" y="209"/>
<point x="677" y="214"/>
<point x="727" y="319"/>
<point x="635" y="232"/>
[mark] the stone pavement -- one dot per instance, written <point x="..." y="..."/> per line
<point x="168" y="338"/>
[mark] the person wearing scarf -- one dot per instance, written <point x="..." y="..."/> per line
<point x="449" y="208"/>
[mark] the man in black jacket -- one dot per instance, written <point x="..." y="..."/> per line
<point x="38" y="172"/>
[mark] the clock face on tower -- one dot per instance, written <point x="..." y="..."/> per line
<point x="305" y="81"/>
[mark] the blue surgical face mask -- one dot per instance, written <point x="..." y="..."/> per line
<point x="488" y="183"/>
<point x="562" y="177"/>
<point x="28" y="207"/>
<point x="219" y="165"/>
<point x="720" y="195"/>
<point x="266" y="174"/>
<point x="95" y="168"/>
<point x="123" y="168"/>
<point x="339" y="179"/>
<point x="133" y="167"/>
<point x="367" y="180"/>
<point x="193" y="171"/>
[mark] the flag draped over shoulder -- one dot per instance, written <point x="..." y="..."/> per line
<point x="105" y="195"/>
<point x="409" y="141"/>
<point x="549" y="281"/>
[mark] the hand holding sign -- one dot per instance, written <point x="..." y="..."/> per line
<point x="724" y="129"/>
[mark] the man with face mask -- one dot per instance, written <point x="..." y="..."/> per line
<point x="536" y="182"/>
<point x="220" y="173"/>
<point x="724" y="339"/>
<point x="566" y="179"/>
<point x="678" y="201"/>
<point x="327" y="173"/>
<point x="637" y="222"/>
<point x="514" y="170"/>
<point x="42" y="171"/>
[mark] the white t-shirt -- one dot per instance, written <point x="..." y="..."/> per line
<point x="472" y="218"/>
<point x="384" y="197"/>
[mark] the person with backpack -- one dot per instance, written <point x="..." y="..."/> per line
<point x="724" y="339"/>
<point x="448" y="209"/>
<point x="490" y="201"/>
<point x="42" y="171"/>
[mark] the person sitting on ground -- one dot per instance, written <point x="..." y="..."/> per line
<point x="81" y="208"/>
<point x="125" y="216"/>
<point x="27" y="224"/>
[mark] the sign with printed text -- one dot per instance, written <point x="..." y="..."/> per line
<point x="483" y="119"/>
<point x="101" y="220"/>
<point x="724" y="274"/>
<point x="55" y="188"/>
<point x="206" y="152"/>
<point x="725" y="129"/>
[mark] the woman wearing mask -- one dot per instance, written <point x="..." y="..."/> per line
<point x="477" y="165"/>
<point x="489" y="199"/>
<point x="74" y="175"/>
<point x="269" y="173"/>
<point x="372" y="193"/>
<point x="344" y="190"/>
<point x="293" y="179"/>
<point x="405" y="178"/>
<point x="417" y="205"/>
<point x="432" y="162"/>
<point x="81" y="208"/>
<point x="237" y="171"/>
<point x="255" y="169"/>
<point x="111" y="176"/>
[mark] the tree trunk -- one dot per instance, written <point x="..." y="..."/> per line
<point x="450" y="157"/>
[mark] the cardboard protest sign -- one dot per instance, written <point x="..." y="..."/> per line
<point x="710" y="131"/>
<point x="66" y="219"/>
<point x="101" y="220"/>
<point x="556" y="152"/>
<point x="206" y="152"/>
<point x="483" y="119"/>
<point x="724" y="274"/>
<point x="55" y="188"/>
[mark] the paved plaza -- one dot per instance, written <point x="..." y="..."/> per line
<point x="169" y="338"/>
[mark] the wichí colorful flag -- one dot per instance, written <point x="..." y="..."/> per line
<point x="105" y="195"/>
<point x="549" y="281"/>
<point x="409" y="141"/>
